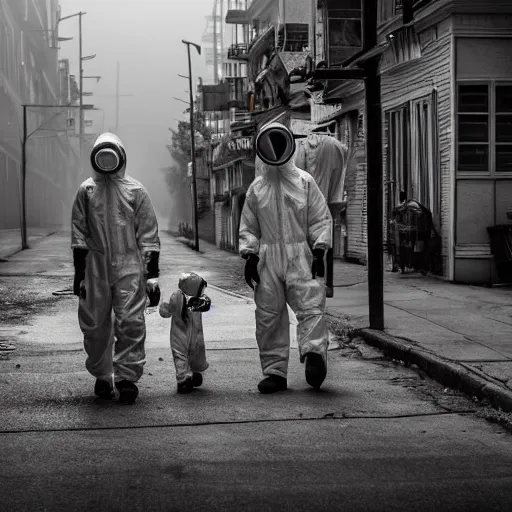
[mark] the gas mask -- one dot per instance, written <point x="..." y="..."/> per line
<point x="108" y="155"/>
<point x="275" y="144"/>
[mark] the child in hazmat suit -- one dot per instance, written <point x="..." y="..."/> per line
<point x="185" y="307"/>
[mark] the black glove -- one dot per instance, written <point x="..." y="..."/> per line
<point x="201" y="304"/>
<point x="251" y="270"/>
<point x="318" y="268"/>
<point x="78" y="285"/>
<point x="79" y="258"/>
<point x="153" y="292"/>
<point x="151" y="260"/>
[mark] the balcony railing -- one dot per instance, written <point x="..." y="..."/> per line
<point x="238" y="51"/>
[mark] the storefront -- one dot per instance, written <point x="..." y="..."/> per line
<point x="232" y="174"/>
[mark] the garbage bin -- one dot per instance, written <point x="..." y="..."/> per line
<point x="501" y="249"/>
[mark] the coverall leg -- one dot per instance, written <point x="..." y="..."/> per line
<point x="197" y="357"/>
<point x="307" y="299"/>
<point x="95" y="319"/>
<point x="272" y="321"/>
<point x="129" y="304"/>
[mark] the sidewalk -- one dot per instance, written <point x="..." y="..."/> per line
<point x="10" y="239"/>
<point x="461" y="335"/>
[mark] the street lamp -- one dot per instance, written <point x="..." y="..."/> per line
<point x="24" y="235"/>
<point x="80" y="59"/>
<point x="192" y="142"/>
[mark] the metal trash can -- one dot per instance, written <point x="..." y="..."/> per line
<point x="501" y="249"/>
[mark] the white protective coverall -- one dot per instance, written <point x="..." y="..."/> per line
<point x="113" y="218"/>
<point x="187" y="339"/>
<point x="284" y="218"/>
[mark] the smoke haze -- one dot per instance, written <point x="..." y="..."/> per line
<point x="145" y="37"/>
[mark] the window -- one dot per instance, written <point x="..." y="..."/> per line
<point x="344" y="30"/>
<point x="473" y="128"/>
<point x="484" y="128"/>
<point x="503" y="149"/>
<point x="294" y="37"/>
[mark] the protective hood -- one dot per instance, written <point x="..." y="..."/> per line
<point x="191" y="284"/>
<point x="108" y="156"/>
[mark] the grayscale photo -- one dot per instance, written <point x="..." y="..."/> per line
<point x="255" y="255"/>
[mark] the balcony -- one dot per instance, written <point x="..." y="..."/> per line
<point x="238" y="51"/>
<point x="240" y="104"/>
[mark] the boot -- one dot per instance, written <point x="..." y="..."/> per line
<point x="272" y="384"/>
<point x="316" y="370"/>
<point x="186" y="386"/>
<point x="128" y="391"/>
<point x="197" y="380"/>
<point x="103" y="389"/>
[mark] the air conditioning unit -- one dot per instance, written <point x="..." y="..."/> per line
<point x="70" y="123"/>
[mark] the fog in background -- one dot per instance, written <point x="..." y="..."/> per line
<point x="145" y="37"/>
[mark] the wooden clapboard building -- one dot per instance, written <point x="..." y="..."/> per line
<point x="446" y="75"/>
<point x="337" y="108"/>
<point x="264" y="53"/>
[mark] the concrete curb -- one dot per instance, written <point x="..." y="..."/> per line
<point x="233" y="294"/>
<point x="450" y="374"/>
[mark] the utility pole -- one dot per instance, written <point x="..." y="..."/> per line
<point x="81" y="112"/>
<point x="193" y="144"/>
<point x="374" y="187"/>
<point x="24" y="236"/>
<point x="215" y="44"/>
<point x="117" y="96"/>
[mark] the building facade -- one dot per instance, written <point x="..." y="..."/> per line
<point x="446" y="81"/>
<point x="264" y="43"/>
<point x="30" y="74"/>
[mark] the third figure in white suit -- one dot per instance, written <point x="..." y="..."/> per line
<point x="285" y="230"/>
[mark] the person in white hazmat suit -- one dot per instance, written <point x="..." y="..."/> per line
<point x="285" y="229"/>
<point x="116" y="248"/>
<point x="186" y="307"/>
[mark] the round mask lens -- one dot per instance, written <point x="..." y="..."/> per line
<point x="107" y="160"/>
<point x="275" y="145"/>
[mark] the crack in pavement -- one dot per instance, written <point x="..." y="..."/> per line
<point x="328" y="416"/>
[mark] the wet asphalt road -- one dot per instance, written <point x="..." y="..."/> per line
<point x="378" y="437"/>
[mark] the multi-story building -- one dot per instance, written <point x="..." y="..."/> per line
<point x="29" y="74"/>
<point x="264" y="43"/>
<point x="446" y="74"/>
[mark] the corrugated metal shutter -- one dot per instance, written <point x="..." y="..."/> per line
<point x="224" y="223"/>
<point x="356" y="197"/>
<point x="218" y="224"/>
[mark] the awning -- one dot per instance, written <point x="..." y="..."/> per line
<point x="233" y="149"/>
<point x="325" y="125"/>
<point x="262" y="41"/>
